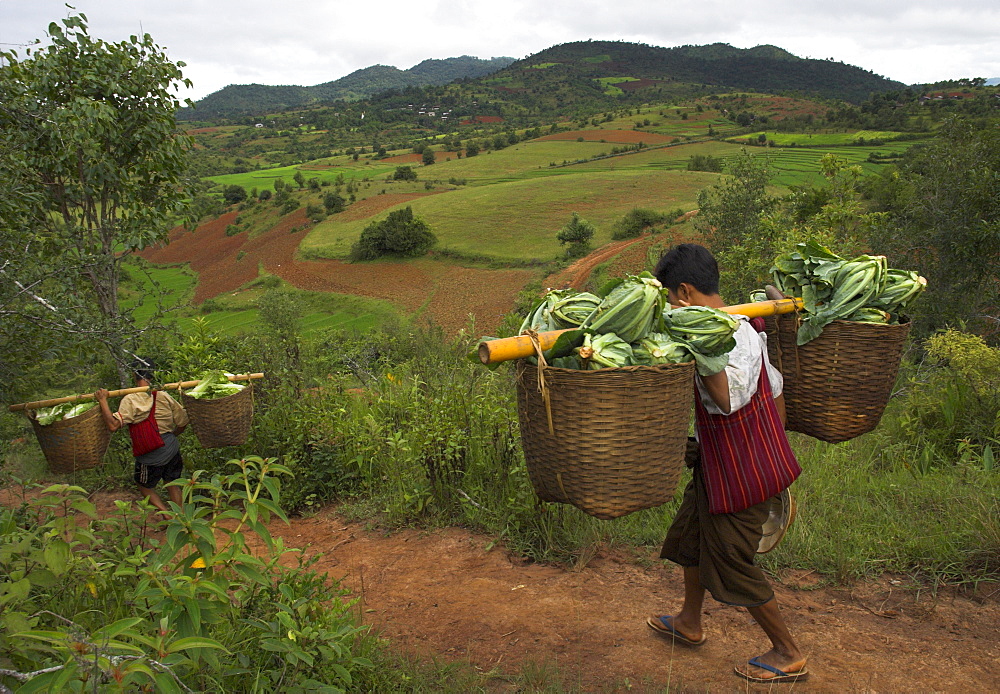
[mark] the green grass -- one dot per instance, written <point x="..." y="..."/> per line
<point x="513" y="162"/>
<point x="237" y="314"/>
<point x="519" y="220"/>
<point x="365" y="167"/>
<point x="169" y="286"/>
<point x="820" y="139"/>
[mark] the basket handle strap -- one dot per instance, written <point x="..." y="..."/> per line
<point x="543" y="387"/>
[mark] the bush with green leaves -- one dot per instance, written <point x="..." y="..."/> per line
<point x="95" y="604"/>
<point x="401" y="234"/>
<point x="576" y="236"/>
<point x="635" y="222"/>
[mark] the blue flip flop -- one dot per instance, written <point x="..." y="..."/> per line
<point x="663" y="624"/>
<point x="779" y="675"/>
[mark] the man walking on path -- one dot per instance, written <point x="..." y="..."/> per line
<point x="742" y="463"/>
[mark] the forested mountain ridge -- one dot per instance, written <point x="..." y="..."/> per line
<point x="761" y="68"/>
<point x="591" y="74"/>
<point x="257" y="99"/>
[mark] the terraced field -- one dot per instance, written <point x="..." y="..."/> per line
<point x="502" y="206"/>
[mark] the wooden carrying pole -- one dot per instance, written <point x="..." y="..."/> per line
<point x="507" y="348"/>
<point x="116" y="393"/>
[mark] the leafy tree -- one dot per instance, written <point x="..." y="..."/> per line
<point x="399" y="234"/>
<point x="87" y="130"/>
<point x="299" y="179"/>
<point x="576" y="235"/>
<point x="234" y="194"/>
<point x="334" y="203"/>
<point x="404" y="173"/>
<point x="944" y="221"/>
<point x="732" y="219"/>
<point x="472" y="149"/>
<point x="428" y="156"/>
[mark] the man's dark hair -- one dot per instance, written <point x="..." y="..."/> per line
<point x="143" y="368"/>
<point x="690" y="263"/>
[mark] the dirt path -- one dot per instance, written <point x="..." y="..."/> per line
<point x="443" y="594"/>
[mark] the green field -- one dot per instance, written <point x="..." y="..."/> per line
<point x="519" y="220"/>
<point x="341" y="166"/>
<point x="174" y="285"/>
<point x="820" y="139"/>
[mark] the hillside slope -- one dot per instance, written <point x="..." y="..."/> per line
<point x="257" y="99"/>
<point x="762" y="68"/>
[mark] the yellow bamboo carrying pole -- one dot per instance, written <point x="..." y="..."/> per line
<point x="507" y="348"/>
<point x="83" y="397"/>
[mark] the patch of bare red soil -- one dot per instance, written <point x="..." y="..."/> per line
<point x="410" y="158"/>
<point x="445" y="293"/>
<point x="484" y="119"/>
<point x="636" y="85"/>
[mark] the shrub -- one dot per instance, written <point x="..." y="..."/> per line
<point x="404" y="173"/>
<point x="705" y="162"/>
<point x="234" y="194"/>
<point x="399" y="234"/>
<point x="636" y="221"/>
<point x="333" y="203"/>
<point x="576" y="235"/>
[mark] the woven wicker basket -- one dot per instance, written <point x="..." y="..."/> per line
<point x="223" y="421"/>
<point x="837" y="385"/>
<point x="73" y="444"/>
<point x="618" y="435"/>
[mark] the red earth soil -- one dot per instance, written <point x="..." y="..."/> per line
<point x="442" y="594"/>
<point x="635" y="85"/>
<point x="443" y="292"/>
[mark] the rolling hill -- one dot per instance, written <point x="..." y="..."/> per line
<point x="256" y="99"/>
<point x="582" y="75"/>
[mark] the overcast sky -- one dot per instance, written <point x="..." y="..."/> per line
<point x="305" y="43"/>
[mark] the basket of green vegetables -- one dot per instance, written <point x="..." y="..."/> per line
<point x="72" y="436"/>
<point x="604" y="413"/>
<point x="220" y="411"/>
<point x="840" y="356"/>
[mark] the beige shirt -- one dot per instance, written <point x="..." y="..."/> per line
<point x="743" y="370"/>
<point x="135" y="407"/>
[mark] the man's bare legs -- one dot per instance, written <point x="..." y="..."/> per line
<point x="784" y="654"/>
<point x="150" y="494"/>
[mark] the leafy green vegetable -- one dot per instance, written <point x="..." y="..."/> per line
<point x="213" y="385"/>
<point x="660" y="348"/>
<point x="630" y="309"/>
<point x="67" y="410"/>
<point x="836" y="289"/>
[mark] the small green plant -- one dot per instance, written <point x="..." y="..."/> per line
<point x="199" y="611"/>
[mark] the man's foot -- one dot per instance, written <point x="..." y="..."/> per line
<point x="664" y="624"/>
<point x="773" y="668"/>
